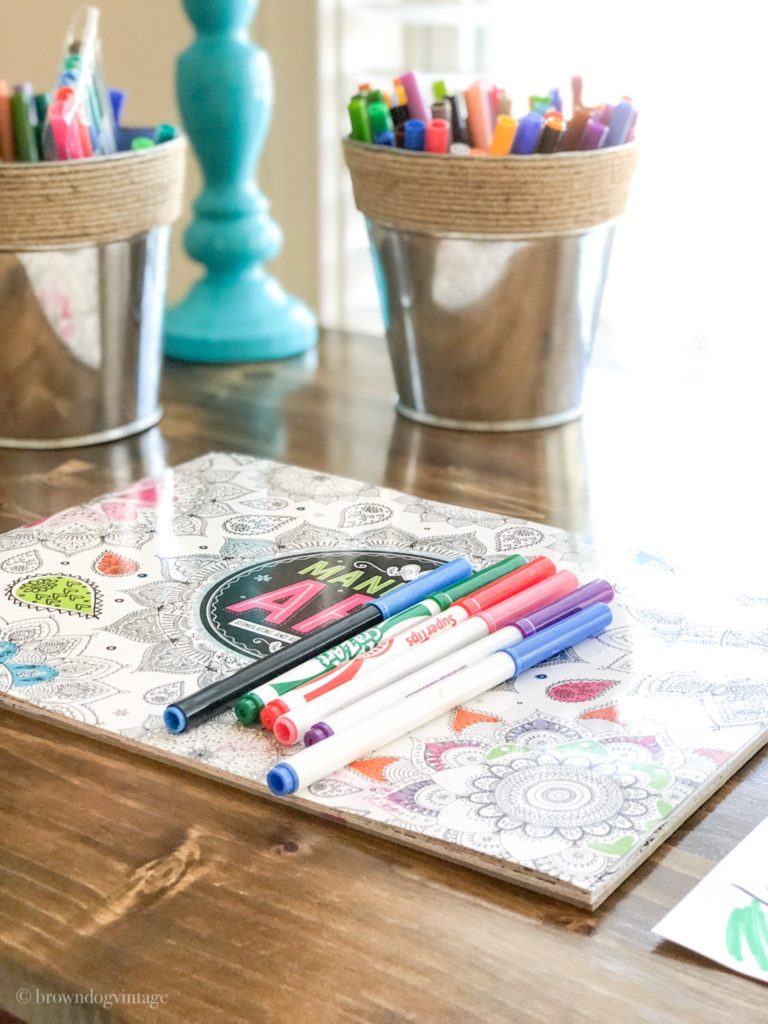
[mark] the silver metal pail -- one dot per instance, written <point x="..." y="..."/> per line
<point x="81" y="341"/>
<point x="490" y="333"/>
<point x="83" y="273"/>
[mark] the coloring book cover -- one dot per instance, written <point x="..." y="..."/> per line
<point x="562" y="781"/>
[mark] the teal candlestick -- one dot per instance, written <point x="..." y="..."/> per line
<point x="237" y="312"/>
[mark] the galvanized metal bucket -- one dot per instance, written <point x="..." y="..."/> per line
<point x="491" y="275"/>
<point x="83" y="272"/>
<point x="490" y="333"/>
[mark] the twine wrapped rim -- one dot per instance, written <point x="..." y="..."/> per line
<point x="502" y="196"/>
<point x="68" y="203"/>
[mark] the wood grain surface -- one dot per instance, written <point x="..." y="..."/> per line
<point x="122" y="876"/>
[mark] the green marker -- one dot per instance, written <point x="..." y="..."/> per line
<point x="358" y="117"/>
<point x="439" y="90"/>
<point x="374" y="96"/>
<point x="249" y="708"/>
<point x="24" y="118"/>
<point x="165" y="133"/>
<point x="142" y="143"/>
<point x="379" y="119"/>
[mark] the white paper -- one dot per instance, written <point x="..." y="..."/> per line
<point x="725" y="917"/>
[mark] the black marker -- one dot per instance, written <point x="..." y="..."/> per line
<point x="223" y="693"/>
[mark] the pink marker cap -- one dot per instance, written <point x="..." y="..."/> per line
<point x="549" y="590"/>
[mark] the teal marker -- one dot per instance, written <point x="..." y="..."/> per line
<point x="249" y="707"/>
<point x="165" y="133"/>
<point x="42" y="102"/>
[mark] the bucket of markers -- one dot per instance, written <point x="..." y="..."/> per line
<point x="84" y="232"/>
<point x="490" y="270"/>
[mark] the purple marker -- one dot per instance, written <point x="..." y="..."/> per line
<point x="417" y="106"/>
<point x="619" y="124"/>
<point x="599" y="591"/>
<point x="606" y="113"/>
<point x="529" y="128"/>
<point x="594" y="135"/>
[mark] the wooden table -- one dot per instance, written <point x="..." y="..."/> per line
<point x="120" y="875"/>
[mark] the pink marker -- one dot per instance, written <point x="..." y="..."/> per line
<point x="291" y="727"/>
<point x="416" y="633"/>
<point x="417" y="106"/>
<point x="438" y="136"/>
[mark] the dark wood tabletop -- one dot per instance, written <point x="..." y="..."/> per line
<point x="197" y="903"/>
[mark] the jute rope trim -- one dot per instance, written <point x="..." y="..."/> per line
<point x="510" y="195"/>
<point x="81" y="202"/>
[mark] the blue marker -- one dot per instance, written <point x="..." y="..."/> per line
<point x="116" y="101"/>
<point x="529" y="128"/>
<point x="384" y="139"/>
<point x="205" y="703"/>
<point x="315" y="762"/>
<point x="619" y="124"/>
<point x="415" y="132"/>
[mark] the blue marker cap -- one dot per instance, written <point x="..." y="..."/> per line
<point x="415" y="132"/>
<point x="384" y="139"/>
<point x="618" y="125"/>
<point x="554" y="639"/>
<point x="174" y="719"/>
<point x="282" y="779"/>
<point x="427" y="583"/>
<point x="529" y="128"/>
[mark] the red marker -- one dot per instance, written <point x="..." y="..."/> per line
<point x="360" y="668"/>
<point x="438" y="136"/>
<point x="291" y="727"/>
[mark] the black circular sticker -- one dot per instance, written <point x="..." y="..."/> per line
<point x="264" y="607"/>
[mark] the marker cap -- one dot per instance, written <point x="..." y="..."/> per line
<point x="427" y="583"/>
<point x="529" y="600"/>
<point x="282" y="779"/>
<point x="535" y="571"/>
<point x="270" y="714"/>
<point x="248" y="709"/>
<point x="556" y="638"/>
<point x="285" y="731"/>
<point x="319" y="731"/>
<point x="438" y="137"/>
<point x="583" y="597"/>
<point x="414" y="134"/>
<point x="527" y="135"/>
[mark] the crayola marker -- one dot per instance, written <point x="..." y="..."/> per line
<point x="204" y="703"/>
<point x="352" y="715"/>
<point x="249" y="707"/>
<point x="292" y="726"/>
<point x="315" y="762"/>
<point x="417" y="633"/>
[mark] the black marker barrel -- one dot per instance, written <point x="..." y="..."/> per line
<point x="208" y="701"/>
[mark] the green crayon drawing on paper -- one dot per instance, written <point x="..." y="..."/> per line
<point x="748" y="926"/>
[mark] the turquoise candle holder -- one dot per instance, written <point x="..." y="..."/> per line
<point x="237" y="312"/>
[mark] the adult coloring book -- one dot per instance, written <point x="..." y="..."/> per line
<point x="563" y="781"/>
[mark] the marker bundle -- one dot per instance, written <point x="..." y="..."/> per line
<point x="78" y="118"/>
<point x="420" y="652"/>
<point x="478" y="120"/>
